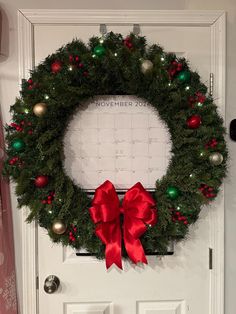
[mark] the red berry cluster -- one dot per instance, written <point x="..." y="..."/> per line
<point x="49" y="198"/>
<point x="31" y="84"/>
<point x="72" y="233"/>
<point x="211" y="144"/>
<point x="207" y="191"/>
<point x="198" y="97"/>
<point x="20" y="127"/>
<point x="128" y="43"/>
<point x="175" y="67"/>
<point x="178" y="217"/>
<point x="15" y="161"/>
<point x="75" y="61"/>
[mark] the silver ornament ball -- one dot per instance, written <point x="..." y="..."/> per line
<point x="216" y="159"/>
<point x="40" y="109"/>
<point x="146" y="66"/>
<point x="58" y="226"/>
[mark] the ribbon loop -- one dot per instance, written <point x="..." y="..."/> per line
<point x="139" y="210"/>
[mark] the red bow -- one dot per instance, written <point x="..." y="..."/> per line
<point x="138" y="208"/>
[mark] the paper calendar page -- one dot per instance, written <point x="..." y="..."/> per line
<point x="116" y="138"/>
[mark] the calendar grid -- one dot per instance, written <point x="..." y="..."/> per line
<point x="119" y="138"/>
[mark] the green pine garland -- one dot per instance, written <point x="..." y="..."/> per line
<point x="112" y="66"/>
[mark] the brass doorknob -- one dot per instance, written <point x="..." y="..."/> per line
<point x="51" y="284"/>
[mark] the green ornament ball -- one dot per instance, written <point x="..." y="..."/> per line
<point x="172" y="192"/>
<point x="184" y="76"/>
<point x="18" y="145"/>
<point x="99" y="50"/>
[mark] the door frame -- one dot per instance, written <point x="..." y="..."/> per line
<point x="216" y="20"/>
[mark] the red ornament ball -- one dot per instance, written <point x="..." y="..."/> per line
<point x="194" y="121"/>
<point x="41" y="181"/>
<point x="56" y="67"/>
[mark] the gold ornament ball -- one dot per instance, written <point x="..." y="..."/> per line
<point x="40" y="109"/>
<point x="146" y="66"/>
<point x="216" y="159"/>
<point x="58" y="226"/>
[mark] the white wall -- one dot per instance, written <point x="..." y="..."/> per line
<point x="9" y="89"/>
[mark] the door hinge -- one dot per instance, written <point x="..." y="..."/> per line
<point x="37" y="283"/>
<point x="210" y="258"/>
<point x="211" y="87"/>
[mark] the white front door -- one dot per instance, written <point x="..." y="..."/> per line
<point x="174" y="284"/>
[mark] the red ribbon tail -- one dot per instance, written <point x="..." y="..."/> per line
<point x="110" y="235"/>
<point x="113" y="255"/>
<point x="134" y="249"/>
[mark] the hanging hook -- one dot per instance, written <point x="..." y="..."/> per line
<point x="136" y="29"/>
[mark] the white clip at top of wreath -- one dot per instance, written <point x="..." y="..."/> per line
<point x="103" y="29"/>
<point x="136" y="29"/>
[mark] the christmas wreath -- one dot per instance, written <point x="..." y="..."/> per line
<point x="143" y="223"/>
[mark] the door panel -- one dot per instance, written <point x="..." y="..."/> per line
<point x="168" y="285"/>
